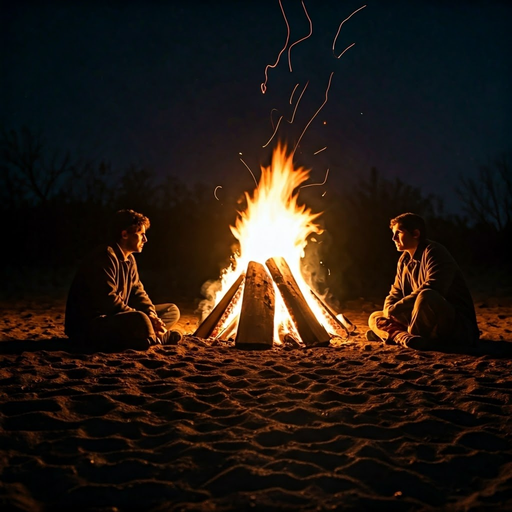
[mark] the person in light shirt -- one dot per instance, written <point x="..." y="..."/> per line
<point x="107" y="304"/>
<point x="429" y="299"/>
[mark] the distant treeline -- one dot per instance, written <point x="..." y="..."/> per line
<point x="56" y="209"/>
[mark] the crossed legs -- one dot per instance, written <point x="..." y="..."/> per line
<point x="132" y="329"/>
<point x="432" y="317"/>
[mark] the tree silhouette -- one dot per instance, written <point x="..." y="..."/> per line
<point x="487" y="198"/>
<point x="29" y="174"/>
<point x="360" y="247"/>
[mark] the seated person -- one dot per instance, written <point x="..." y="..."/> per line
<point x="429" y="299"/>
<point x="107" y="304"/>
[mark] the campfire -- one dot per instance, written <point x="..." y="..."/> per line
<point x="264" y="299"/>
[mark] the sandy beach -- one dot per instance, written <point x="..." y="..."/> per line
<point x="194" y="427"/>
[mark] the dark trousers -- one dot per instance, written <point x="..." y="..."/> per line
<point x="132" y="329"/>
<point x="432" y="317"/>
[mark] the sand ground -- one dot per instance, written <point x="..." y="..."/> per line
<point x="356" y="426"/>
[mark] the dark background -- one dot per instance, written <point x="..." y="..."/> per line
<point x="148" y="105"/>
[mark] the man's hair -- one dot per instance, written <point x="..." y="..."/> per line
<point x="126" y="219"/>
<point x="410" y="222"/>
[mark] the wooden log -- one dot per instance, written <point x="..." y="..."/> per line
<point x="256" y="324"/>
<point x="342" y="322"/>
<point x="346" y="322"/>
<point x="227" y="332"/>
<point x="210" y="322"/>
<point x="311" y="332"/>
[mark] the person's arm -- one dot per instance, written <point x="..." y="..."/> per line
<point x="139" y="299"/>
<point x="437" y="273"/>
<point x="440" y="270"/>
<point x="101" y="279"/>
<point x="395" y="293"/>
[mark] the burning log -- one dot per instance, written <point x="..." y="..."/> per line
<point x="339" y="320"/>
<point x="207" y="327"/>
<point x="310" y="330"/>
<point x="346" y="322"/>
<point x="256" y="324"/>
<point x="225" y="332"/>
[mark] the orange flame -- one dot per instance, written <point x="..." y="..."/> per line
<point x="273" y="225"/>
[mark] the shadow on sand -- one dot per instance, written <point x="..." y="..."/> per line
<point x="484" y="347"/>
<point x="52" y="345"/>
<point x="492" y="348"/>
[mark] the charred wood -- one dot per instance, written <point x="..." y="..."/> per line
<point x="256" y="324"/>
<point x="311" y="332"/>
<point x="207" y="327"/>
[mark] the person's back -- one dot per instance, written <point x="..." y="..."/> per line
<point x="80" y="306"/>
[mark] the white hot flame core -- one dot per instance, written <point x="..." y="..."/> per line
<point x="274" y="225"/>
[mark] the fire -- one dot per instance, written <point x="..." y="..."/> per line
<point x="275" y="225"/>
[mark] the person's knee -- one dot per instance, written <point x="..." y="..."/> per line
<point x="137" y="332"/>
<point x="169" y="313"/>
<point x="124" y="330"/>
<point x="372" y="320"/>
<point x="140" y="325"/>
<point x="174" y="312"/>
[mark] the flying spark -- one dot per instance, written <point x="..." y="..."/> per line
<point x="302" y="39"/>
<point x="252" y="174"/>
<point x="320" y="150"/>
<point x="215" y="192"/>
<point x="293" y="92"/>
<point x="339" y="29"/>
<point x="297" y="104"/>
<point x="264" y="84"/>
<point x="347" y="48"/>
<point x="272" y="117"/>
<point x="318" y="184"/>
<point x="316" y="113"/>
<point x="275" y="131"/>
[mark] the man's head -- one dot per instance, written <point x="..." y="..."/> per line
<point x="128" y="229"/>
<point x="408" y="231"/>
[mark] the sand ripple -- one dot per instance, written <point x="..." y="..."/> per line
<point x="192" y="427"/>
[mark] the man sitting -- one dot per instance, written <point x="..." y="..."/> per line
<point x="429" y="299"/>
<point x="107" y="303"/>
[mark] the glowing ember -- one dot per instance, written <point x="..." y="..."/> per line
<point x="275" y="225"/>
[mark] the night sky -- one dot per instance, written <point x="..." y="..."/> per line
<point x="424" y="95"/>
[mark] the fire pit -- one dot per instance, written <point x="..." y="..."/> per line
<point x="264" y="298"/>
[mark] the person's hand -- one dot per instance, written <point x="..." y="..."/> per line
<point x="389" y="324"/>
<point x="158" y="325"/>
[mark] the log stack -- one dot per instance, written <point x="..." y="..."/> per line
<point x="255" y="325"/>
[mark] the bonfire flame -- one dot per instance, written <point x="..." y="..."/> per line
<point x="274" y="225"/>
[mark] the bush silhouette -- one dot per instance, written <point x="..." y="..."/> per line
<point x="59" y="209"/>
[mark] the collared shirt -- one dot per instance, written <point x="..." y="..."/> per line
<point x="431" y="267"/>
<point x="106" y="283"/>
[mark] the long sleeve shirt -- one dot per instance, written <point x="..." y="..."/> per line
<point x="106" y="283"/>
<point x="431" y="267"/>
